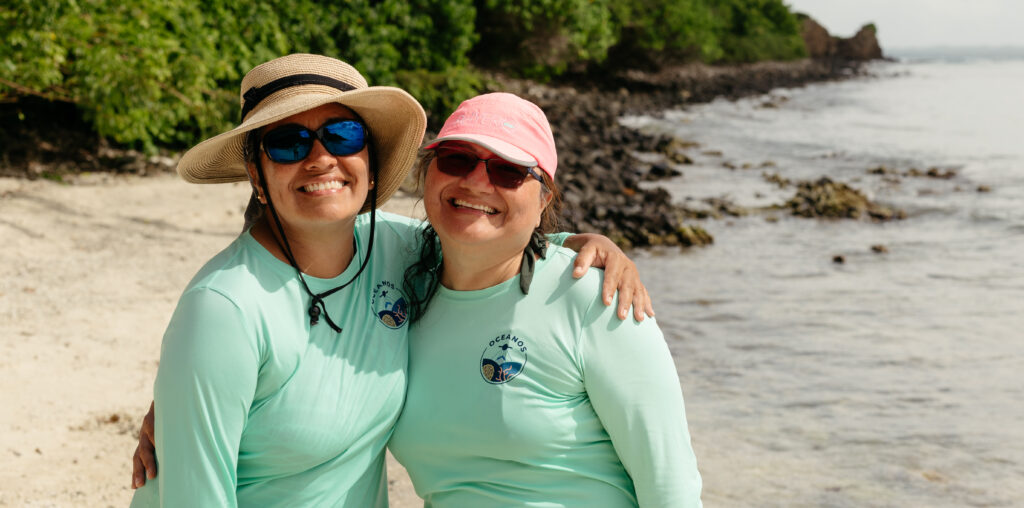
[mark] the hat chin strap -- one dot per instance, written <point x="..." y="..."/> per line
<point x="316" y="305"/>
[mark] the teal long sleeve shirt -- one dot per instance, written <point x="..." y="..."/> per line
<point x="255" y="407"/>
<point x="543" y="400"/>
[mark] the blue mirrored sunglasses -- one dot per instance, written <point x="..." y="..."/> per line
<point x="292" y="143"/>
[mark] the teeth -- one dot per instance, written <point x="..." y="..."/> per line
<point x="466" y="204"/>
<point x="314" y="187"/>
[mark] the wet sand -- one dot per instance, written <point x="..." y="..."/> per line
<point x="89" y="276"/>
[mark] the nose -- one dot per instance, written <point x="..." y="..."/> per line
<point x="478" y="177"/>
<point x="319" y="158"/>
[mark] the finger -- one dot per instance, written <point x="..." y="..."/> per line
<point x="640" y="303"/>
<point x="138" y="471"/>
<point x="148" y="461"/>
<point x="614" y="281"/>
<point x="148" y="425"/>
<point x="649" y="305"/>
<point x="626" y="293"/>
<point x="584" y="260"/>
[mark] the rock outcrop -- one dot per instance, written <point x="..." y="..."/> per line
<point x="820" y="44"/>
<point x="862" y="46"/>
<point x="834" y="200"/>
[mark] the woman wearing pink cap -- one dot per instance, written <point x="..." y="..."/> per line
<point x="523" y="389"/>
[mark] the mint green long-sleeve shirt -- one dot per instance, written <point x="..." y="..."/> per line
<point x="543" y="400"/>
<point x="255" y="407"/>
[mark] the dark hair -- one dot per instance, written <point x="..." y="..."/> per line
<point x="251" y="146"/>
<point x="423" y="276"/>
<point x="250" y="153"/>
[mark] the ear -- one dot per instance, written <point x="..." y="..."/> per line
<point x="254" y="177"/>
<point x="545" y="200"/>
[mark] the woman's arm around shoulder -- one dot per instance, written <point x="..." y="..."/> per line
<point x="209" y="362"/>
<point x="631" y="379"/>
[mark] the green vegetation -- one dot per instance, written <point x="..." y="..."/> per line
<point x="166" y="73"/>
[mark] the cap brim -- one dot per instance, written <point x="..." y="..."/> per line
<point x="500" y="148"/>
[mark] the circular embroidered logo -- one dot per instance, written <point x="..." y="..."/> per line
<point x="389" y="304"/>
<point x="503" y="359"/>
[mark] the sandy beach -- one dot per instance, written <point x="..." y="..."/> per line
<point x="89" y="275"/>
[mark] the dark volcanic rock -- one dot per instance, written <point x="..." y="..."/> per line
<point x="828" y="199"/>
<point x="598" y="174"/>
<point x="862" y="46"/>
<point x="820" y="44"/>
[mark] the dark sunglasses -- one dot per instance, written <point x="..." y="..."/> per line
<point x="502" y="173"/>
<point x="291" y="143"/>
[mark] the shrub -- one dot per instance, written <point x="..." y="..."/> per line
<point x="753" y="30"/>
<point x="166" y="73"/>
<point x="148" y="73"/>
<point x="656" y="30"/>
<point x="542" y="38"/>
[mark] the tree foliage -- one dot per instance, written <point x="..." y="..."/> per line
<point x="166" y="73"/>
<point x="752" y="30"/>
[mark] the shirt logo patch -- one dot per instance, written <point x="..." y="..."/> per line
<point x="503" y="359"/>
<point x="389" y="304"/>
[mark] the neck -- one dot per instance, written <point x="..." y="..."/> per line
<point x="469" y="269"/>
<point x="322" y="252"/>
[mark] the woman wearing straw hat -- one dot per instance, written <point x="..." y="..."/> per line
<point x="283" y="368"/>
<point x="523" y="389"/>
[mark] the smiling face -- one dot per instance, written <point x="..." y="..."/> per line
<point x="321" y="189"/>
<point x="469" y="211"/>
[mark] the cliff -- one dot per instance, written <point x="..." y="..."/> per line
<point x="822" y="45"/>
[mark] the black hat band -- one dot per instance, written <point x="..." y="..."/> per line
<point x="254" y="95"/>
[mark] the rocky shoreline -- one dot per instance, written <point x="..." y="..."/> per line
<point x="600" y="175"/>
<point x="598" y="172"/>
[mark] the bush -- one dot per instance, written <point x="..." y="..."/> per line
<point x="754" y="30"/>
<point x="658" y="30"/>
<point x="148" y="73"/>
<point x="166" y="73"/>
<point x="542" y="38"/>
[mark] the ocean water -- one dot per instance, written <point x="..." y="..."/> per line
<point x="893" y="379"/>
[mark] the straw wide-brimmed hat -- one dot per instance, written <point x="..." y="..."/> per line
<point x="295" y="83"/>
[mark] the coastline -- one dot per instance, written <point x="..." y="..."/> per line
<point x="93" y="264"/>
<point x="599" y="174"/>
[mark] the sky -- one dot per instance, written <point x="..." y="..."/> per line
<point x="923" y="23"/>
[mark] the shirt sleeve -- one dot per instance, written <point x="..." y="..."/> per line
<point x="559" y="238"/>
<point x="632" y="383"/>
<point x="205" y="385"/>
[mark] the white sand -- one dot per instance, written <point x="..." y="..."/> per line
<point x="89" y="275"/>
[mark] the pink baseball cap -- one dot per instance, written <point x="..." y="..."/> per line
<point x="514" y="129"/>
